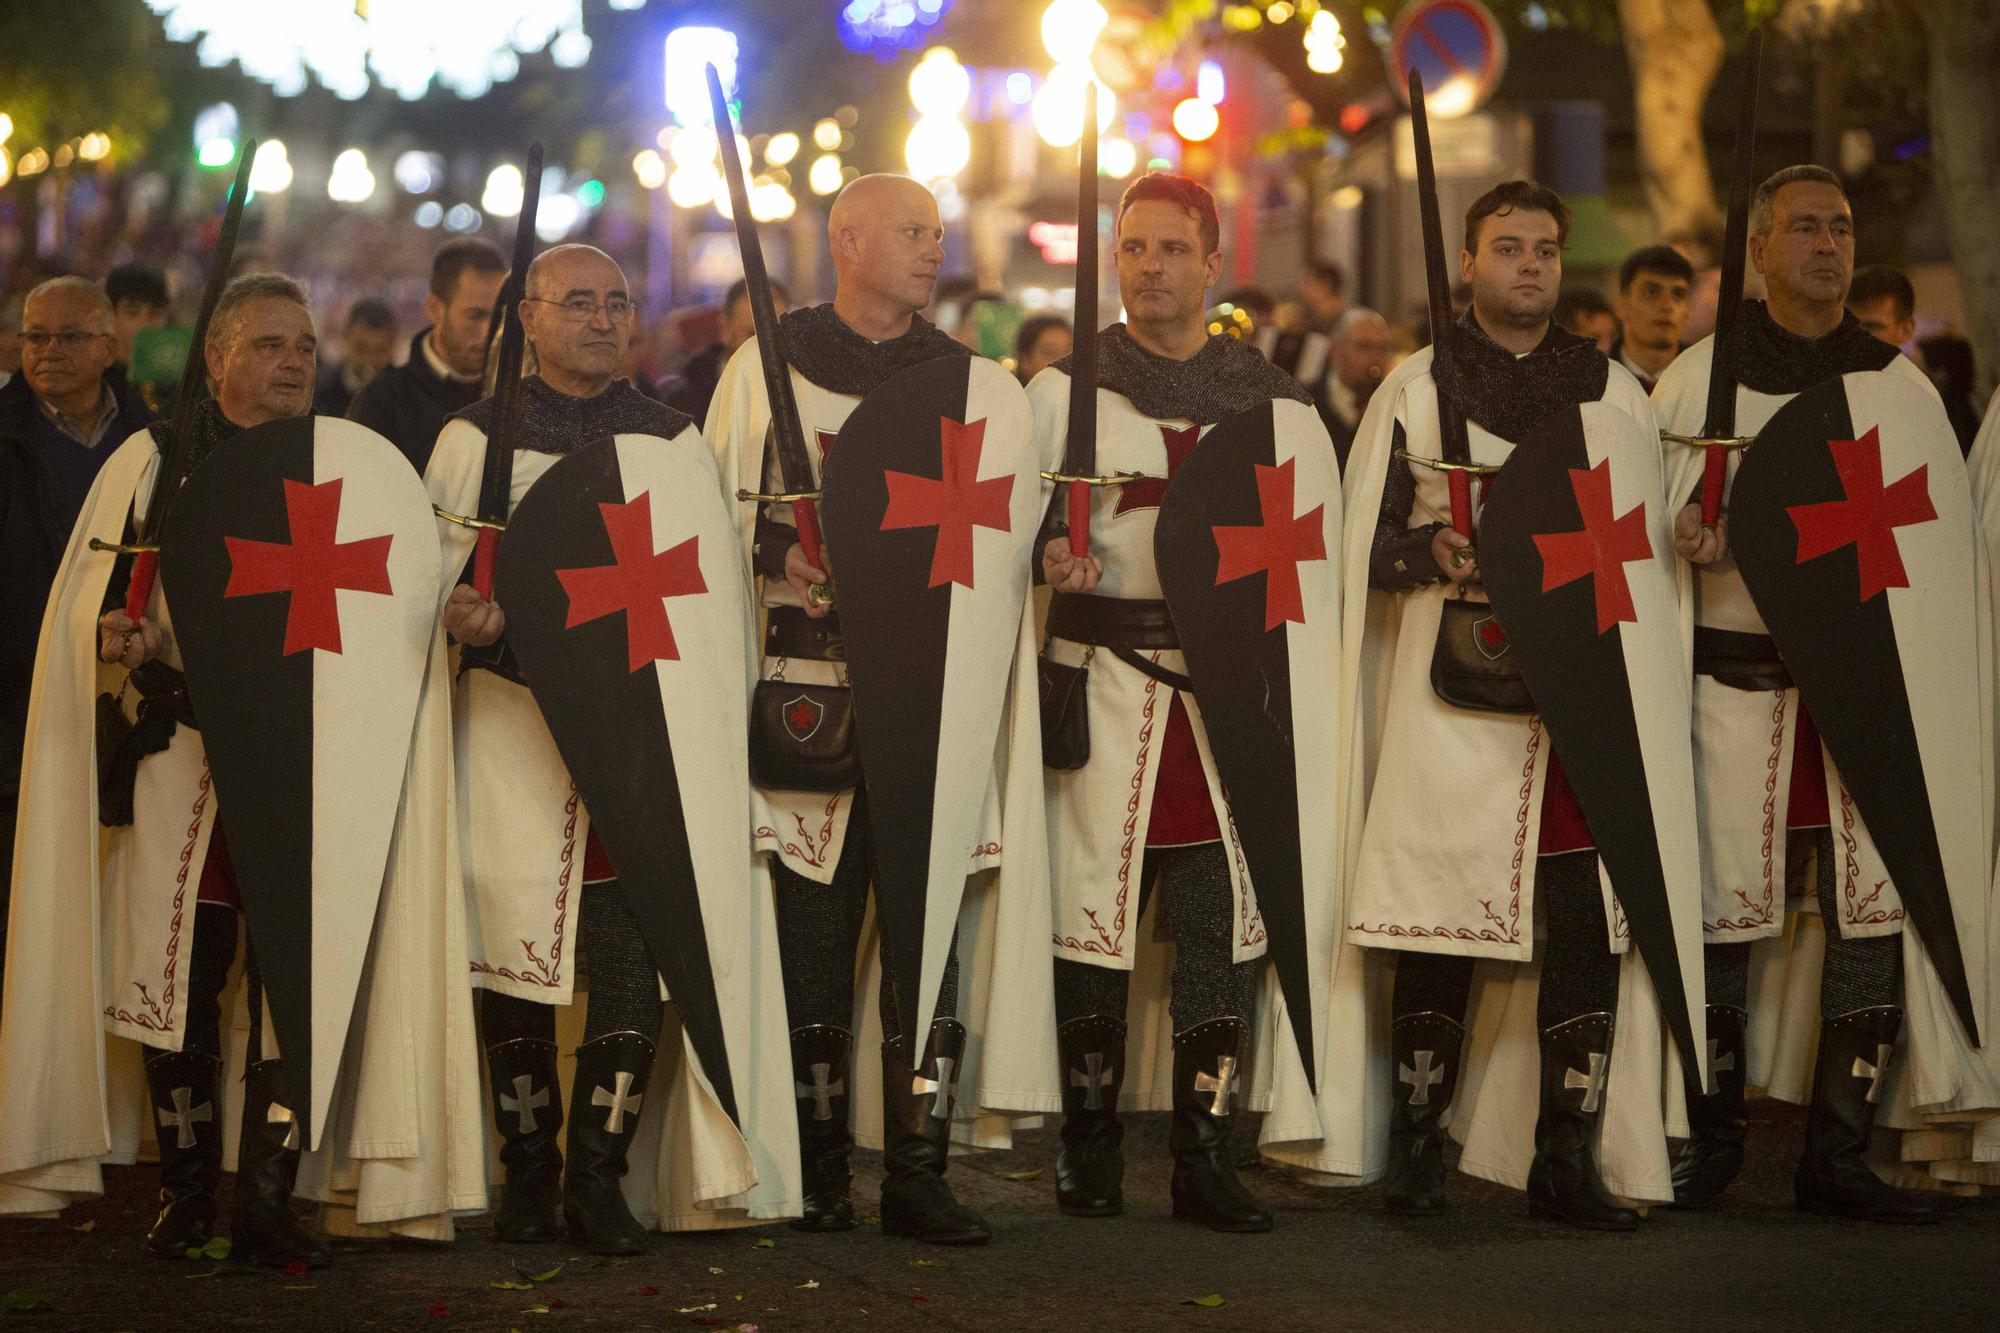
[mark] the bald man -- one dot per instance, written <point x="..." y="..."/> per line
<point x="887" y="245"/>
<point x="522" y="824"/>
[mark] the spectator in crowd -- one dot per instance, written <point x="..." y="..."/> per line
<point x="1324" y="292"/>
<point x="1654" y="285"/>
<point x="696" y="385"/>
<point x="139" y="300"/>
<point x="1362" y="352"/>
<point x="10" y="341"/>
<point x="1040" y="342"/>
<point x="408" y="404"/>
<point x="1253" y="301"/>
<point x="1947" y="359"/>
<point x="367" y="345"/>
<point x="1703" y="250"/>
<point x="60" y="418"/>
<point x="1885" y="303"/>
<point x="1585" y="312"/>
<point x="969" y="328"/>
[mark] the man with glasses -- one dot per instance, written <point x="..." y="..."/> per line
<point x="519" y="821"/>
<point x="59" y="421"/>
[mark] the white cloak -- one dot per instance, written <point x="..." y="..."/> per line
<point x="524" y="832"/>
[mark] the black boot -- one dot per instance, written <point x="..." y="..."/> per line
<point x="821" y="1056"/>
<point x="1833" y="1177"/>
<point x="916" y="1129"/>
<point x="527" y="1110"/>
<point x="1713" y="1153"/>
<point x="1426" y="1054"/>
<point x="610" y="1084"/>
<point x="1090" y="1170"/>
<point x="1207" y="1061"/>
<point x="1564" y="1183"/>
<point x="187" y="1121"/>
<point x="264" y="1229"/>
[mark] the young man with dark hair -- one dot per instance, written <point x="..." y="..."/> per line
<point x="1886" y="304"/>
<point x="1040" y="342"/>
<point x="694" y="388"/>
<point x="367" y="342"/>
<point x="1471" y="834"/>
<point x="409" y="404"/>
<point x="1654" y="285"/>
<point x="1760" y="761"/>
<point x="1116" y="834"/>
<point x="1325" y="294"/>
<point x="1585" y="312"/>
<point x="138" y="294"/>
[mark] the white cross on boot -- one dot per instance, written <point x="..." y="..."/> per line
<point x="183" y="1117"/>
<point x="1873" y="1073"/>
<point x="1716" y="1064"/>
<point x="939" y="1087"/>
<point x="1092" y="1078"/>
<point x="282" y="1115"/>
<point x="525" y="1101"/>
<point x="618" y="1101"/>
<point x="1591" y="1083"/>
<point x="823" y="1089"/>
<point x="1421" y="1079"/>
<point x="1222" y="1083"/>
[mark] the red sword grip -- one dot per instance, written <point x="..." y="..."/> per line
<point x="482" y="562"/>
<point x="1714" y="471"/>
<point x="1079" y="519"/>
<point x="806" y="515"/>
<point x="140" y="590"/>
<point x="1461" y="501"/>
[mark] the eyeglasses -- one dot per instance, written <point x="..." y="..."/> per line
<point x="581" y="309"/>
<point x="69" y="340"/>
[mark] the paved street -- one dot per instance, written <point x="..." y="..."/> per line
<point x="1335" y="1262"/>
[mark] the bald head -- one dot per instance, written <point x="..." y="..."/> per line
<point x="578" y="314"/>
<point x="887" y="242"/>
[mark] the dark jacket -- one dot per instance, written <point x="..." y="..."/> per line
<point x="36" y="515"/>
<point x="694" y="389"/>
<point x="409" y="404"/>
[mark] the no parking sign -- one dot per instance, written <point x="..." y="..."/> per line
<point x="1456" y="45"/>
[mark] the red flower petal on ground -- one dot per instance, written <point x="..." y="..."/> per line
<point x="295" y="1268"/>
<point x="649" y="1291"/>
<point x="438" y="1310"/>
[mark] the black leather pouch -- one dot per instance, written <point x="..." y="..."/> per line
<point x="1472" y="664"/>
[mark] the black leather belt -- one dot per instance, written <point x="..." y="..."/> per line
<point x="1739" y="660"/>
<point x="1111" y="622"/>
<point x="790" y="632"/>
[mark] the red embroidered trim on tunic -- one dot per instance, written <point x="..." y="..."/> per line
<point x="547" y="974"/>
<point x="1111" y="943"/>
<point x="1759" y="913"/>
<point x="1509" y="925"/>
<point x="815" y="849"/>
<point x="1860" y="911"/>
<point x="161" y="1013"/>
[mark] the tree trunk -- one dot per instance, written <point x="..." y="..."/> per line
<point x="1675" y="51"/>
<point x="1964" y="42"/>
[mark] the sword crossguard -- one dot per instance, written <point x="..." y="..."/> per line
<point x="1708" y="441"/>
<point x="1115" y="479"/>
<point x="819" y="594"/>
<point x="779" y="498"/>
<point x="1464" y="556"/>
<point x="123" y="548"/>
<point x="1441" y="465"/>
<point x="465" y="522"/>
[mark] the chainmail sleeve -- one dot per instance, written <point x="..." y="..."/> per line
<point x="1400" y="559"/>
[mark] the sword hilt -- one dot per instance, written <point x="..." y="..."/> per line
<point x="145" y="565"/>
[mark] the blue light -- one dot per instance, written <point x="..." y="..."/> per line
<point x="887" y="26"/>
<point x="689" y="51"/>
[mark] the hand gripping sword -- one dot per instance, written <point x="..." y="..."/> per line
<point x="1718" y="432"/>
<point x="787" y="435"/>
<point x="175" y="457"/>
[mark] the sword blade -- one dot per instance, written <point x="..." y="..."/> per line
<point x="496" y="483"/>
<point x="1720" y="418"/>
<point x="1080" y="444"/>
<point x="1452" y="442"/>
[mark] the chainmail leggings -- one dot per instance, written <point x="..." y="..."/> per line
<point x="624" y="984"/>
<point x="1201" y="910"/>
<point x="214" y="949"/>
<point x="819" y="930"/>
<point x="1857" y="974"/>
<point x="1579" y="971"/>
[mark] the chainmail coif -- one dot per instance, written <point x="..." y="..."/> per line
<point x="1225" y="377"/>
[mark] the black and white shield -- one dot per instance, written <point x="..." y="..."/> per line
<point x="932" y="497"/>
<point x="301" y="560"/>
<point x="1576" y="551"/>
<point x="1248" y="545"/>
<point x="1851" y="519"/>
<point x="627" y="609"/>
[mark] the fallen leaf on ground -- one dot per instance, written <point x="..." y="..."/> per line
<point x="1021" y="1175"/>
<point x="1210" y="1301"/>
<point x="923" y="1263"/>
<point x="766" y="1243"/>
<point x="512" y="1286"/>
<point x="716" y="1271"/>
<point x="695" y="1309"/>
<point x="91" y="1225"/>
<point x="549" y="1276"/>
<point x="23" y="1298"/>
<point x="810" y="1284"/>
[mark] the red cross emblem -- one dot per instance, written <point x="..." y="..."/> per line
<point x="1601" y="548"/>
<point x="637" y="582"/>
<point x="1147" y="494"/>
<point x="1868" y="518"/>
<point x="1275" y="546"/>
<point x="312" y="569"/>
<point x="953" y="504"/>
